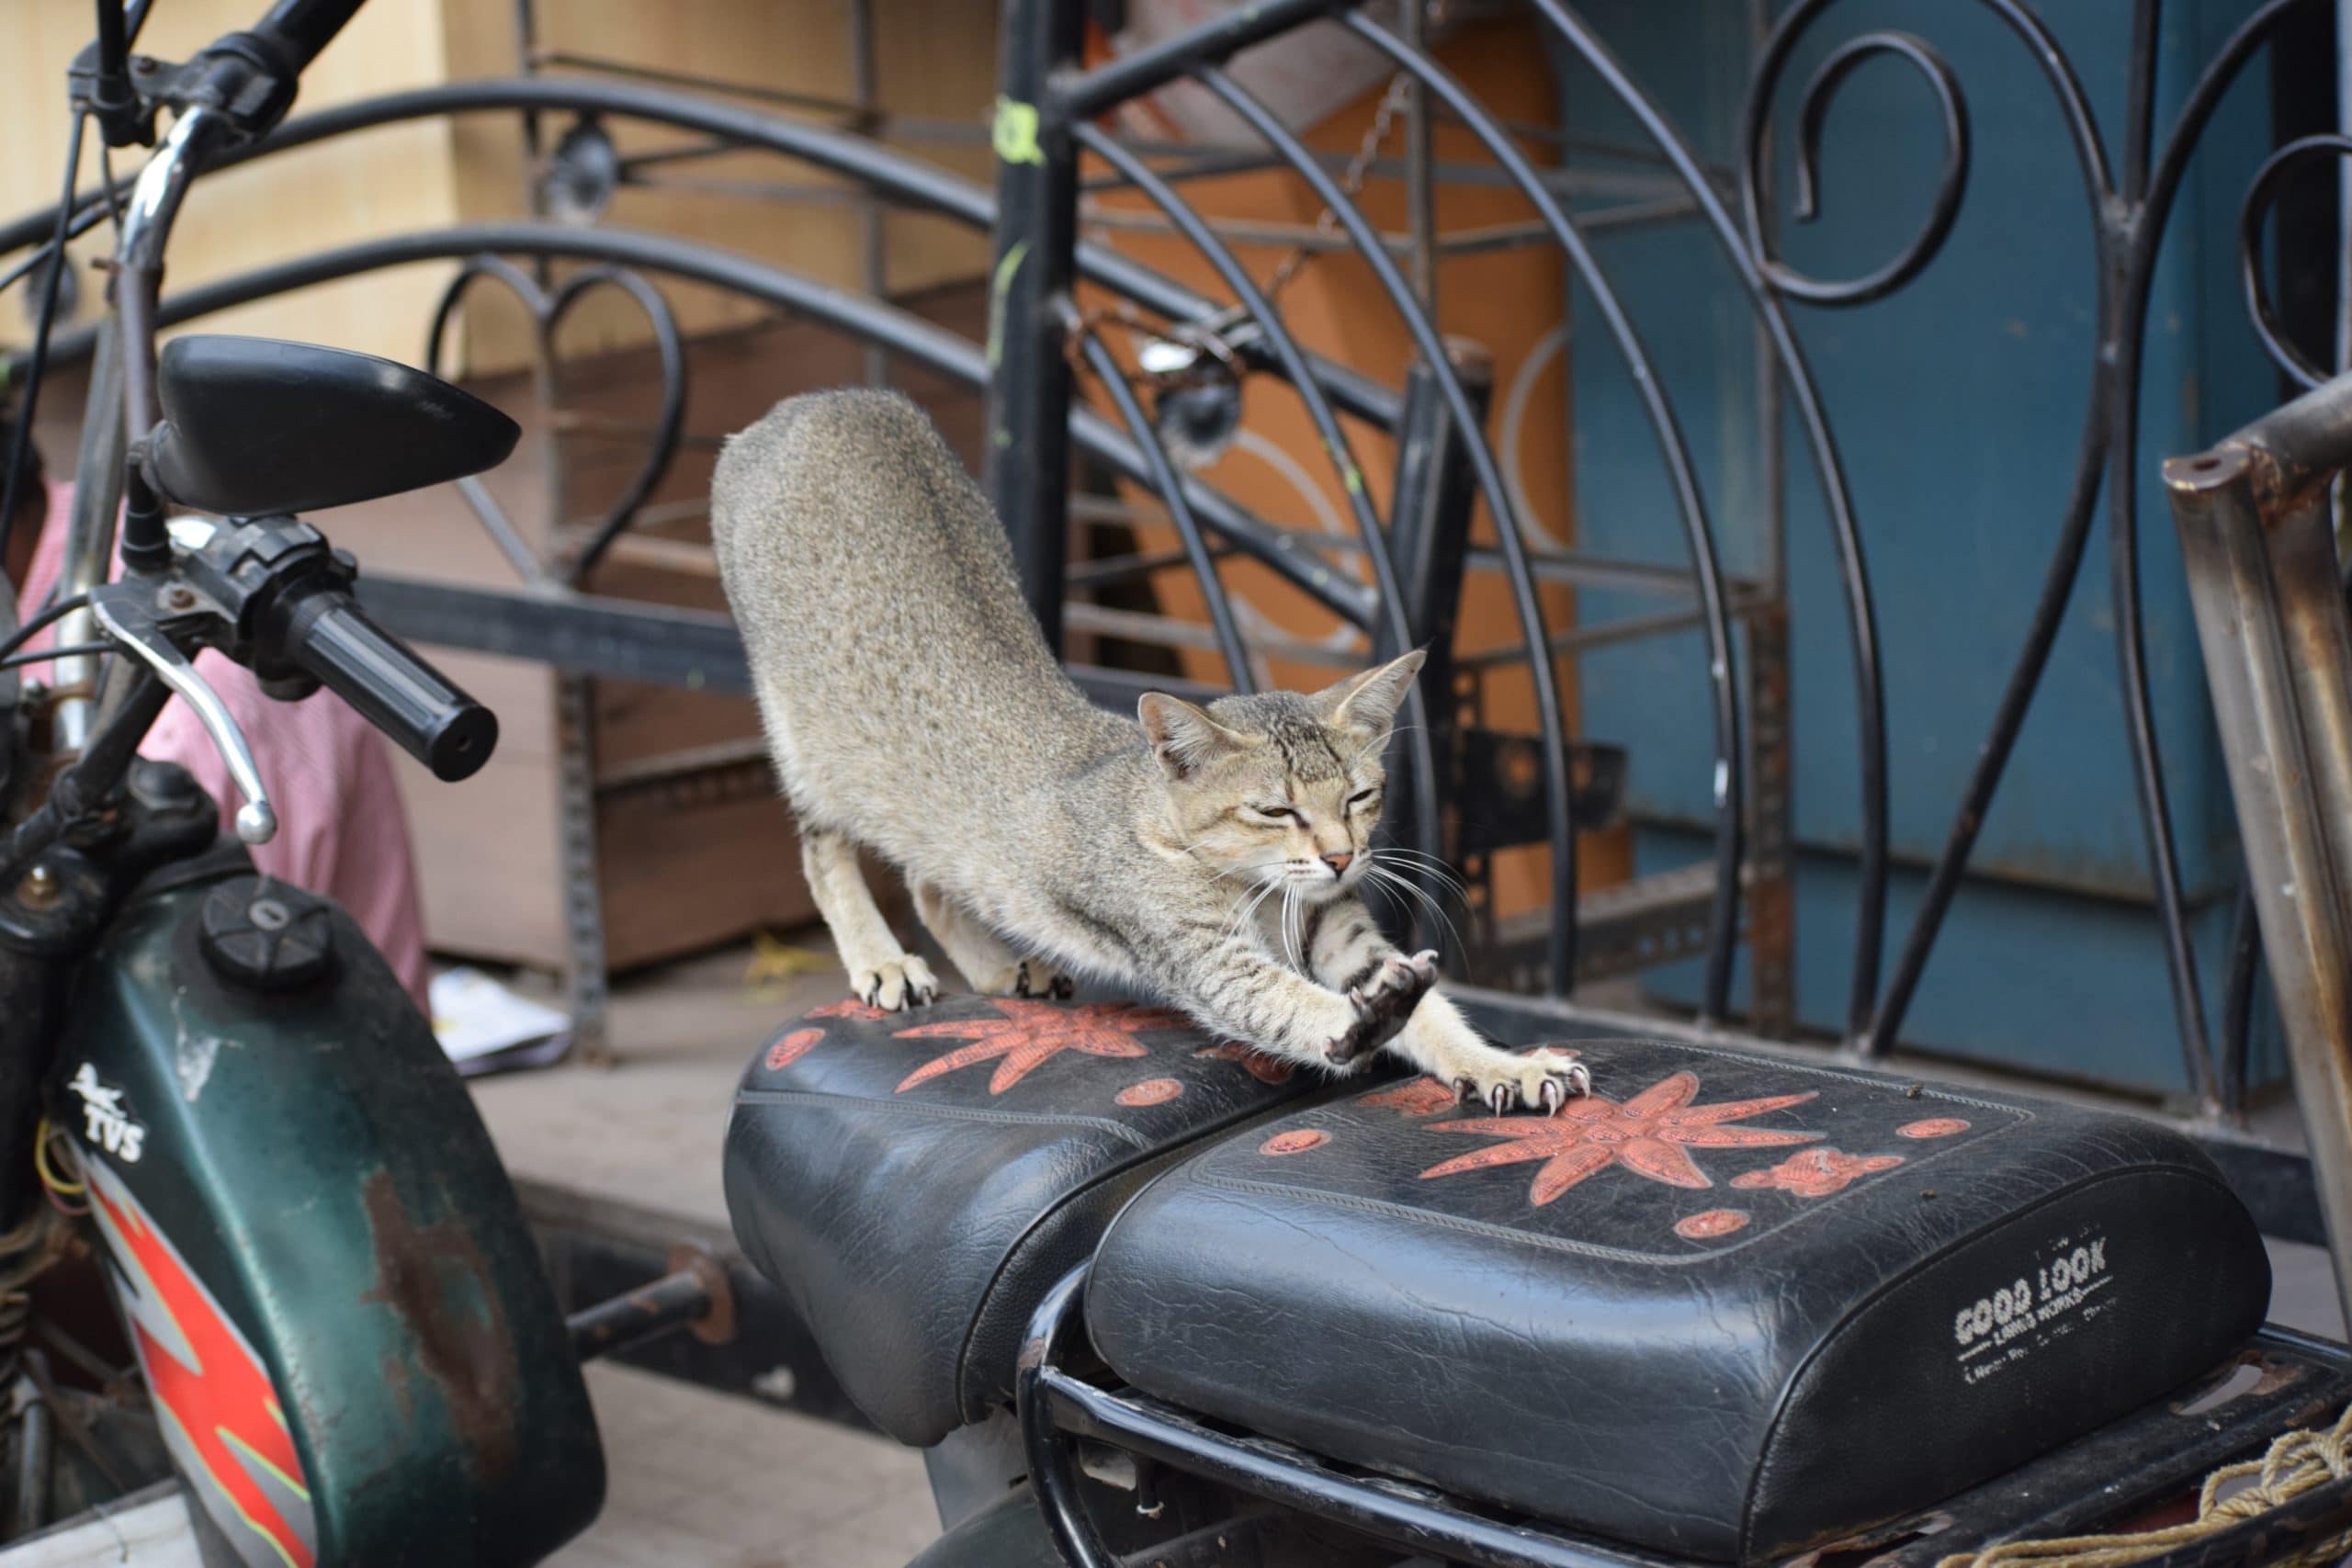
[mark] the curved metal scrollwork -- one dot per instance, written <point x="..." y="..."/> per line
<point x="2130" y="219"/>
<point x="1805" y="201"/>
<point x="548" y="313"/>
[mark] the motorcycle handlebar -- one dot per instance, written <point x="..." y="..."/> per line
<point x="325" y="633"/>
<point x="298" y="29"/>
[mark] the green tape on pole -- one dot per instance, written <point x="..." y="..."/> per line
<point x="1015" y="134"/>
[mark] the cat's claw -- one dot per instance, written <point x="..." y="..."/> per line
<point x="1542" y="1081"/>
<point x="896" y="984"/>
<point x="1036" y="977"/>
<point x="1383" y="1003"/>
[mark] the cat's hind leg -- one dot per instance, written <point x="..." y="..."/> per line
<point x="986" y="960"/>
<point x="881" y="973"/>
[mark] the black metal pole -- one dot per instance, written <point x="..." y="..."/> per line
<point x="1036" y="241"/>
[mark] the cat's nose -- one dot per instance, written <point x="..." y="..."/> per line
<point x="1338" y="862"/>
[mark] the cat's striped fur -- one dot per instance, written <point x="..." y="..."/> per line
<point x="1215" y="855"/>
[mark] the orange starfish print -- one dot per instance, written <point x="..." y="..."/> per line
<point x="1647" y="1135"/>
<point x="1030" y="1034"/>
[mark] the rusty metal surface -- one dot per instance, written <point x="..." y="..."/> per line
<point x="2271" y="617"/>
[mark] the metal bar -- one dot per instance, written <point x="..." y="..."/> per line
<point x="2123" y="314"/>
<point x="1227" y="635"/>
<point x="680" y="1299"/>
<point x="905" y="180"/>
<point x="1433" y="503"/>
<point x="1870" y="696"/>
<point x="578" y="633"/>
<point x="1698" y="533"/>
<point x="1247" y="232"/>
<point x="2278" y="644"/>
<point x="867" y="120"/>
<point x="1055" y="1324"/>
<point x="1420" y="197"/>
<point x="1027" y="475"/>
<point x="1167" y="631"/>
<point x="1470" y="432"/>
<point x="1081" y="97"/>
<point x="1387" y="617"/>
<point x="1420" y="1522"/>
<point x="872" y="236"/>
<point x="1293" y="554"/>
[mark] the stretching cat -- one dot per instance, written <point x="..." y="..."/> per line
<point x="1214" y="853"/>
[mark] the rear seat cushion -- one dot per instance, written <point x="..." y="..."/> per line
<point x="915" y="1181"/>
<point x="1729" y="1306"/>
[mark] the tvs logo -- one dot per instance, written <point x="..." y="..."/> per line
<point x="105" y="1124"/>
<point x="220" y="1412"/>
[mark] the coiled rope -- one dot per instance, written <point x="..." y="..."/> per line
<point x="2298" y="1461"/>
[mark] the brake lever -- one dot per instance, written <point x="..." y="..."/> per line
<point x="122" y="609"/>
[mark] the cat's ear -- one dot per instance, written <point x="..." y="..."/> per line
<point x="1369" y="702"/>
<point x="1184" y="738"/>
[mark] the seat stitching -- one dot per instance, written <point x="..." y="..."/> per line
<point x="955" y="1113"/>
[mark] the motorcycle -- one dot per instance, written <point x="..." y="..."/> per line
<point x="346" y="1347"/>
<point x="1143" y="1296"/>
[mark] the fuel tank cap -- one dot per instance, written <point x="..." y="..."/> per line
<point x="265" y="934"/>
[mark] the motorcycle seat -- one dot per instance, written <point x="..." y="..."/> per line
<point x="914" y="1182"/>
<point x="1729" y="1307"/>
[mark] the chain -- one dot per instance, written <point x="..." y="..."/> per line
<point x="1384" y="120"/>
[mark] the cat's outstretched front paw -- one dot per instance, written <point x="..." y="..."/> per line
<point x="1541" y="1080"/>
<point x="1383" y="1003"/>
<point x="896" y="985"/>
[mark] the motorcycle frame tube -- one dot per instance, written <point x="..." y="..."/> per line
<point x="2256" y="533"/>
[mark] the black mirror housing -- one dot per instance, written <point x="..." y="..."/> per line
<point x="253" y="427"/>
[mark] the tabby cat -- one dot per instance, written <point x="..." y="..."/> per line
<point x="1216" y="854"/>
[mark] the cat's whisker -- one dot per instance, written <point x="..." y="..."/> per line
<point x="1416" y="890"/>
<point x="1424" y="868"/>
<point x="1381" y="741"/>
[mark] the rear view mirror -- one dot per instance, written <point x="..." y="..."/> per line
<point x="253" y="427"/>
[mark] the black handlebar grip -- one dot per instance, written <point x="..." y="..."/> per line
<point x="329" y="636"/>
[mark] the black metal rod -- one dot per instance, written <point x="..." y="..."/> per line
<point x="1665" y="427"/>
<point x="669" y="1303"/>
<point x="1051" y="1474"/>
<point x="2131" y="640"/>
<point x="1180" y="513"/>
<point x="1560" y="821"/>
<point x="1130" y="75"/>
<point x="1026" y="460"/>
<point x="1870" y="695"/>
<point x="902" y="179"/>
<point x="1389" y="616"/>
<point x="1297" y="1481"/>
<point x="669" y="423"/>
<point x="1883" y="1026"/>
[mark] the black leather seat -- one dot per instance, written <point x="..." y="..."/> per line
<point x="914" y="1182"/>
<point x="1728" y="1308"/>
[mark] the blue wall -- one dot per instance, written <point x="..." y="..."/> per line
<point x="1958" y="406"/>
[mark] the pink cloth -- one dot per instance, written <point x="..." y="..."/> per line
<point x="342" y="828"/>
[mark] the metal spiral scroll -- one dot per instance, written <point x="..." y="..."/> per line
<point x="2129" y="215"/>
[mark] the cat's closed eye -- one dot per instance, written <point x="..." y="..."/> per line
<point x="1362" y="797"/>
<point x="1276" y="813"/>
